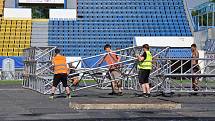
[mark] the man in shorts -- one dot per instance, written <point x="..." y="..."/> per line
<point x="115" y="75"/>
<point x="60" y="73"/>
<point x="73" y="78"/>
<point x="145" y="67"/>
<point x="195" y="66"/>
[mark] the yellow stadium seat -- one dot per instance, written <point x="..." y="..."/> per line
<point x="0" y="49"/>
<point x="24" y="29"/>
<point x="18" y="27"/>
<point x="17" y="37"/>
<point x="17" y="41"/>
<point x="13" y="29"/>
<point x="11" y="45"/>
<point x="2" y="29"/>
<point x="13" y="25"/>
<point x="28" y="37"/>
<point x="1" y="33"/>
<point x="28" y="30"/>
<point x="15" y="53"/>
<point x="22" y="37"/>
<point x="10" y="49"/>
<point x="5" y="46"/>
<point x="7" y="33"/>
<point x="8" y="21"/>
<point x="17" y="33"/>
<point x="12" y="34"/>
<point x="7" y="37"/>
<point x="1" y="46"/>
<point x="21" y="45"/>
<point x="3" y="25"/>
<point x="16" y="45"/>
<point x="4" y="53"/>
<point x="19" y="22"/>
<point x="23" y="33"/>
<point x="24" y="21"/>
<point x="28" y="34"/>
<point x="8" y="25"/>
<point x="16" y="49"/>
<point x="27" y="42"/>
<point x="4" y="49"/>
<point x="10" y="54"/>
<point x="6" y="42"/>
<point x="12" y="41"/>
<point x="29" y="25"/>
<point x="22" y="42"/>
<point x="13" y="21"/>
<point x="7" y="29"/>
<point x="27" y="45"/>
<point x="1" y="37"/>
<point x="20" y="53"/>
<point x="3" y="22"/>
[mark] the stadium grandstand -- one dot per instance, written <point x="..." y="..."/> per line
<point x="80" y="28"/>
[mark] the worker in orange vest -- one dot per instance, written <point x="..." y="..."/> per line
<point x="60" y="73"/>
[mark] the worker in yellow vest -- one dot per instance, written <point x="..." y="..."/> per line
<point x="145" y="67"/>
<point x="60" y="73"/>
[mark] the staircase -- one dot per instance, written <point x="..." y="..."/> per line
<point x="39" y="36"/>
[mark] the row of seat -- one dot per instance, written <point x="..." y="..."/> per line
<point x="11" y="53"/>
<point x="11" y="38"/>
<point x="11" y="49"/>
<point x="117" y="22"/>
<point x="15" y="35"/>
<point x="11" y="42"/>
<point x="1" y="7"/>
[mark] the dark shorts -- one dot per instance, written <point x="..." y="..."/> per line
<point x="196" y="68"/>
<point x="72" y="72"/>
<point x="60" y="78"/>
<point x="144" y="76"/>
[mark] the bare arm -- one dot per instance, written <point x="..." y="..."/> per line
<point x="140" y="58"/>
<point x="101" y="60"/>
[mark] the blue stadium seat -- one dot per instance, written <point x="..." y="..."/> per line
<point x="117" y="22"/>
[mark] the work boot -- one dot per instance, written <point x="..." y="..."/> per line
<point x="51" y="97"/>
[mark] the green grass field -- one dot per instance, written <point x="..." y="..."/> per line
<point x="9" y="82"/>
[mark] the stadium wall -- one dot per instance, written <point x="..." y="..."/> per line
<point x="62" y="13"/>
<point x="17" y="13"/>
<point x="164" y="41"/>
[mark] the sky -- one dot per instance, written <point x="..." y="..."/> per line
<point x="193" y="3"/>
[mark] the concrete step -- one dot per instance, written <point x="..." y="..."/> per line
<point x="38" y="40"/>
<point x="39" y="44"/>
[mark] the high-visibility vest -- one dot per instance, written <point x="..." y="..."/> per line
<point x="60" y="65"/>
<point x="147" y="63"/>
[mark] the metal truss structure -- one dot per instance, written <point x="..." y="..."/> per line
<point x="168" y="74"/>
<point x="37" y="71"/>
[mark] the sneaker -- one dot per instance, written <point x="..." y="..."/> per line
<point x="68" y="97"/>
<point x="51" y="97"/>
<point x="113" y="93"/>
<point x="145" y="95"/>
<point x="149" y="95"/>
<point x="140" y="95"/>
<point x="196" y="89"/>
<point x="120" y="94"/>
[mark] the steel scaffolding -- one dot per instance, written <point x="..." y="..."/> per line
<point x="168" y="74"/>
<point x="37" y="68"/>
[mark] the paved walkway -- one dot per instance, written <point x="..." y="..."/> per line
<point x="22" y="104"/>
